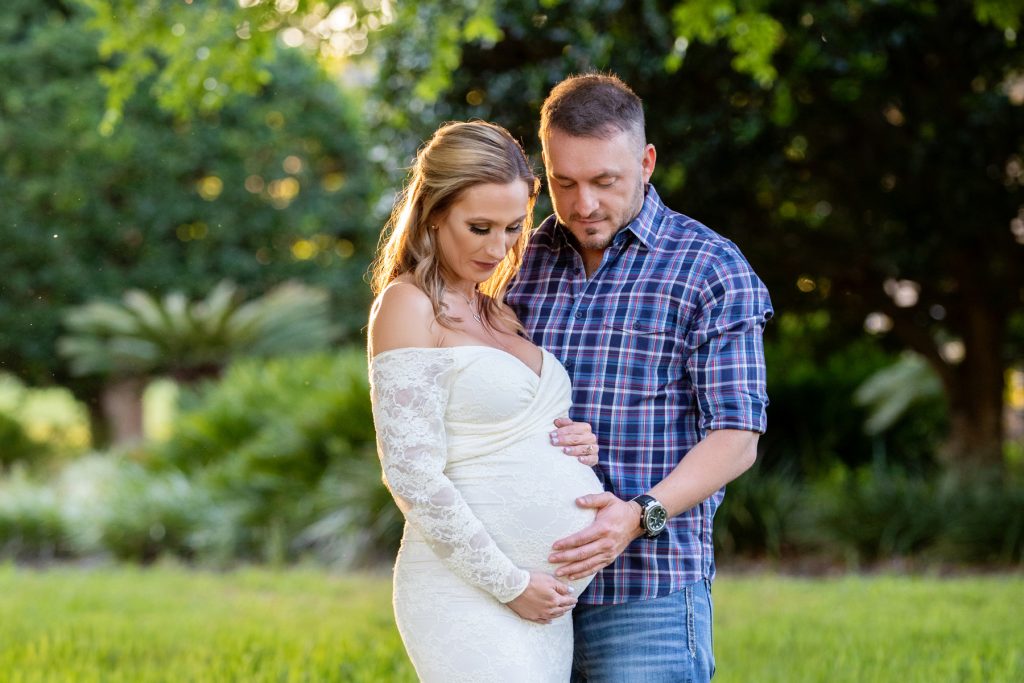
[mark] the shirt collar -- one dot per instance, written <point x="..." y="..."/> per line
<point x="644" y="226"/>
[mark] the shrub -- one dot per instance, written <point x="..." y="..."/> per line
<point x="759" y="514"/>
<point x="357" y="521"/>
<point x="812" y="421"/>
<point x="278" y="445"/>
<point x="15" y="444"/>
<point x="985" y="522"/>
<point x="31" y="524"/>
<point x="151" y="514"/>
<point x="869" y="513"/>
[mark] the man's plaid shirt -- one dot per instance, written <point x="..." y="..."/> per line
<point x="663" y="344"/>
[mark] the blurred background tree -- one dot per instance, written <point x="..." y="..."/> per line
<point x="131" y="343"/>
<point x="271" y="186"/>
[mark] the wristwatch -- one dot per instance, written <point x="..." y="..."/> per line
<point x="653" y="515"/>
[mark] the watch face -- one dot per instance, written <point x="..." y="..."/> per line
<point x="656" y="518"/>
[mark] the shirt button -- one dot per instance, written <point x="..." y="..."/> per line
<point x="579" y="314"/>
<point x="575" y="271"/>
<point x="636" y="324"/>
<point x="567" y="364"/>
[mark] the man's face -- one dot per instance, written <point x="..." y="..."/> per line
<point x="596" y="185"/>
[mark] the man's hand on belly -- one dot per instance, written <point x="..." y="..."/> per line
<point x="616" y="525"/>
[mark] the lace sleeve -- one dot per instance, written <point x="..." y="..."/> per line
<point x="409" y="391"/>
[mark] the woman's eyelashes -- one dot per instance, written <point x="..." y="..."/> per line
<point x="480" y="230"/>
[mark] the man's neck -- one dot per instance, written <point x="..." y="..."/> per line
<point x="591" y="260"/>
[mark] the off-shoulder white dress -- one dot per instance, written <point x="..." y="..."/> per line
<point x="462" y="433"/>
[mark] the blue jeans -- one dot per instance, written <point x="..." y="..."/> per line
<point x="652" y="641"/>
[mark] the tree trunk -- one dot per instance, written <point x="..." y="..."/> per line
<point x="975" y="391"/>
<point x="122" y="407"/>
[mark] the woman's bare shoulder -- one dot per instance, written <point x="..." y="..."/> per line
<point x="402" y="316"/>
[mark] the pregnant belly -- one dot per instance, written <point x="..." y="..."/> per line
<point x="525" y="496"/>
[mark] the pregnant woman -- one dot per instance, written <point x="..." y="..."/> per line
<point x="463" y="405"/>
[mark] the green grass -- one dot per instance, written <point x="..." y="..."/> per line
<point x="865" y="629"/>
<point x="170" y="624"/>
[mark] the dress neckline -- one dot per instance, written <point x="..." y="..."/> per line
<point x="517" y="359"/>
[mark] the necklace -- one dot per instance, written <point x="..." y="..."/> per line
<point x="472" y="312"/>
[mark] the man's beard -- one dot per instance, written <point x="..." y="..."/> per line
<point x="598" y="242"/>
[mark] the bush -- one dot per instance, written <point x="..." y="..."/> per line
<point x="32" y="526"/>
<point x="152" y="514"/>
<point x="357" y="523"/>
<point x="15" y="444"/>
<point x="813" y="423"/>
<point x="869" y="514"/>
<point x="984" y="522"/>
<point x="759" y="515"/>
<point x="278" y="446"/>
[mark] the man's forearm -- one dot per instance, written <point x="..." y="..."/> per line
<point x="721" y="457"/>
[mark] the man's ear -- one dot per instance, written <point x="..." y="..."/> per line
<point x="648" y="161"/>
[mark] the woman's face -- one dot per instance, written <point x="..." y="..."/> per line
<point x="479" y="229"/>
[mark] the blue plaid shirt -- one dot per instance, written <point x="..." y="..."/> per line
<point x="663" y="344"/>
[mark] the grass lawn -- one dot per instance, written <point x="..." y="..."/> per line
<point x="170" y="624"/>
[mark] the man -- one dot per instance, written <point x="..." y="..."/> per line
<point x="658" y="320"/>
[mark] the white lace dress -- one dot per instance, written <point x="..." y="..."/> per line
<point x="462" y="433"/>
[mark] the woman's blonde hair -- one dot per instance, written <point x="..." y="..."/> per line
<point x="457" y="157"/>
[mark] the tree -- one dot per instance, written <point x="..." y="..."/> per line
<point x="271" y="186"/>
<point x="867" y="156"/>
<point x="131" y="343"/>
<point x="880" y="175"/>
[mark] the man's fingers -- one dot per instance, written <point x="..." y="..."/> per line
<point x="596" y="500"/>
<point x="581" y="554"/>
<point x="580" y="538"/>
<point x="578" y="570"/>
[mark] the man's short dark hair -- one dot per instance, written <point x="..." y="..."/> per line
<point x="593" y="105"/>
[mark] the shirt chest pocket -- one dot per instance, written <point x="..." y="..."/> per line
<point x="637" y="324"/>
<point x="640" y="335"/>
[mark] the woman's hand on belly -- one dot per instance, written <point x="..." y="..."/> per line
<point x="576" y="439"/>
<point x="545" y="598"/>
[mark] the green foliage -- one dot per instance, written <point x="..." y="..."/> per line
<point x="279" y="445"/>
<point x="234" y="45"/>
<point x="271" y="187"/>
<point x="867" y="515"/>
<point x="753" y="36"/>
<point x="357" y="522"/>
<point x="760" y="515"/>
<point x="31" y="524"/>
<point x="15" y="444"/>
<point x="151" y="514"/>
<point x="812" y="373"/>
<point x="984" y="520"/>
<point x="148" y="336"/>
<point x="891" y="391"/>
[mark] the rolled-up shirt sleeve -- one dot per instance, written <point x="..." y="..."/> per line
<point x="726" y="351"/>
